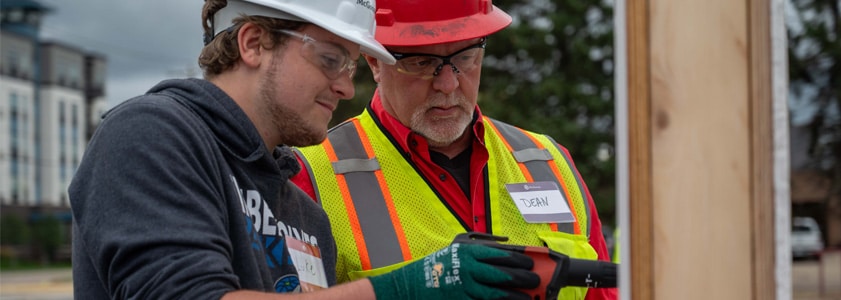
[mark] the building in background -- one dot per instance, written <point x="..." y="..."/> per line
<point x="51" y="97"/>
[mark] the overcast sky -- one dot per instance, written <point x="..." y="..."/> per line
<point x="143" y="41"/>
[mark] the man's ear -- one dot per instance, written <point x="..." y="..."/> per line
<point x="250" y="45"/>
<point x="374" y="64"/>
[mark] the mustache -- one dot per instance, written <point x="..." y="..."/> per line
<point x="444" y="100"/>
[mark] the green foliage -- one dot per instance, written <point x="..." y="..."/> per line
<point x="365" y="86"/>
<point x="14" y="231"/>
<point x="15" y="264"/>
<point x="48" y="232"/>
<point x="815" y="79"/>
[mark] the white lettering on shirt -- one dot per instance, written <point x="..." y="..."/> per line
<point x="263" y="218"/>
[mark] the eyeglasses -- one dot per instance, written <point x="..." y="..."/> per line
<point x="429" y="65"/>
<point x="331" y="59"/>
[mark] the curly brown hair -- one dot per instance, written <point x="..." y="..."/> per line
<point x="221" y="53"/>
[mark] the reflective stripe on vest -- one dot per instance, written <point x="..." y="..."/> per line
<point x="537" y="164"/>
<point x="362" y="183"/>
<point x="578" y="181"/>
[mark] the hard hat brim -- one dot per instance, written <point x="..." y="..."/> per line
<point x="440" y="32"/>
<point x="367" y="43"/>
<point x="341" y="24"/>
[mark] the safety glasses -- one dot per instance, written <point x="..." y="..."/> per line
<point x="334" y="61"/>
<point x="427" y="66"/>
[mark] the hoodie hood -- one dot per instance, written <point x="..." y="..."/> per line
<point x="232" y="128"/>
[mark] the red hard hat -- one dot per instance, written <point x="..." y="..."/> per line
<point x="428" y="22"/>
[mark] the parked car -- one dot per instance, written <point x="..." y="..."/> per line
<point x="806" y="240"/>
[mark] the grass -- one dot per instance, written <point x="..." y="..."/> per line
<point x="7" y="264"/>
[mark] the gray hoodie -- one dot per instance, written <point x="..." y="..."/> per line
<point x="177" y="197"/>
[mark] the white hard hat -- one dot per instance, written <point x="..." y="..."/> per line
<point x="352" y="20"/>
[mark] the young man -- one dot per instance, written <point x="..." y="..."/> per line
<point x="422" y="164"/>
<point x="177" y="195"/>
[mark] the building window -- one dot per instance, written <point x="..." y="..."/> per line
<point x="69" y="74"/>
<point x="12" y="62"/>
<point x="61" y="113"/>
<point x="13" y="120"/>
<point x="33" y="18"/>
<point x="25" y="194"/>
<point x="74" y="135"/>
<point x="14" y="16"/>
<point x="74" y="115"/>
<point x="15" y="198"/>
<point x="14" y="135"/>
<point x="62" y="138"/>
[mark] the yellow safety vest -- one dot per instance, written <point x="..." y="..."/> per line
<point x="384" y="214"/>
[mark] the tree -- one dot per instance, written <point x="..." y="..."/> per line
<point x="13" y="231"/>
<point x="48" y="235"/>
<point x="815" y="80"/>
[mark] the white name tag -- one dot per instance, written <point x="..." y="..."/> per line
<point x="540" y="202"/>
<point x="307" y="260"/>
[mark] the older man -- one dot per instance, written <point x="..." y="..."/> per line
<point x="422" y="164"/>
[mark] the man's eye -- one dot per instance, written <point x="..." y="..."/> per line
<point x="330" y="61"/>
<point x="422" y="62"/>
<point x="467" y="57"/>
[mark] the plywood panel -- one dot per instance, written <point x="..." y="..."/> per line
<point x="700" y="149"/>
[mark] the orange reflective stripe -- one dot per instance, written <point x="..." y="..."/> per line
<point x="522" y="165"/>
<point x="369" y="151"/>
<point x="351" y="210"/>
<point x="389" y="202"/>
<point x="554" y="168"/>
<point x="585" y="196"/>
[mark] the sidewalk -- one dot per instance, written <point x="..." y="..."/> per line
<point x="58" y="284"/>
<point x="808" y="278"/>
<point x="36" y="285"/>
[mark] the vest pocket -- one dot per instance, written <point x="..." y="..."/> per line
<point x="575" y="246"/>
<point x="354" y="275"/>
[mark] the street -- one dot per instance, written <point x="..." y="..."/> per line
<point x="807" y="278"/>
<point x="54" y="284"/>
<point x="57" y="284"/>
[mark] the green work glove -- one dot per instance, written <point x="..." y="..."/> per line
<point x="460" y="271"/>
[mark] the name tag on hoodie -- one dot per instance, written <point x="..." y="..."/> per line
<point x="307" y="260"/>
